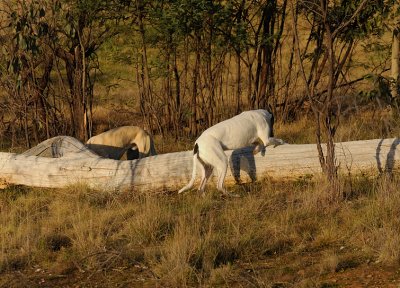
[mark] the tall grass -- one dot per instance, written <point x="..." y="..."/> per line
<point x="270" y="234"/>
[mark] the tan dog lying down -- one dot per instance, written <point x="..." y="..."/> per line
<point x="133" y="140"/>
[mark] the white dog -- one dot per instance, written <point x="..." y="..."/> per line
<point x="247" y="128"/>
<point x="113" y="143"/>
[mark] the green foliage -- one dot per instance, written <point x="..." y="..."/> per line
<point x="369" y="21"/>
<point x="169" y="22"/>
<point x="369" y="16"/>
<point x="380" y="91"/>
<point x="27" y="28"/>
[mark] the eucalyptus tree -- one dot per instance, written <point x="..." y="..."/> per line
<point x="78" y="28"/>
<point x="40" y="33"/>
<point x="255" y="34"/>
<point x="191" y="40"/>
<point x="25" y="68"/>
<point x="335" y="27"/>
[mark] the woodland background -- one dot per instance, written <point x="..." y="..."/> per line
<point x="328" y="70"/>
<point x="189" y="64"/>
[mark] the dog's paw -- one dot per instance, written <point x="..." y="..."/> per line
<point x="279" y="142"/>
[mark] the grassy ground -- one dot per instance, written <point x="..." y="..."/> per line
<point x="284" y="234"/>
<point x="273" y="235"/>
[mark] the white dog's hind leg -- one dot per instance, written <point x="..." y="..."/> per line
<point x="221" y="178"/>
<point x="220" y="163"/>
<point x="207" y="172"/>
<point x="212" y="154"/>
<point x="190" y="184"/>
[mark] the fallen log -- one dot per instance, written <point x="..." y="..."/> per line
<point x="68" y="162"/>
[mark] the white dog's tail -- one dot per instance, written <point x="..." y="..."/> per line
<point x="195" y="155"/>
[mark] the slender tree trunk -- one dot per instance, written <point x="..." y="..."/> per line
<point x="196" y="71"/>
<point x="74" y="69"/>
<point x="238" y="82"/>
<point x="79" y="98"/>
<point x="395" y="65"/>
<point x="169" y="106"/>
<point x="238" y="62"/>
<point x="177" y="95"/>
<point x="211" y="81"/>
<point x="74" y="63"/>
<point x="83" y="81"/>
<point x="310" y="89"/>
<point x="250" y="92"/>
<point x="266" y="76"/>
<point x="286" y="110"/>
<point x="25" y="119"/>
<point x="146" y="97"/>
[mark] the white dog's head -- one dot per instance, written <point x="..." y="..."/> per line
<point x="269" y="118"/>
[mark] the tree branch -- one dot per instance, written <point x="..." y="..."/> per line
<point x="344" y="24"/>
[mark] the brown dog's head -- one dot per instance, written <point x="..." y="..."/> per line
<point x="145" y="145"/>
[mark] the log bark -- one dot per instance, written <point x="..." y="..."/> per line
<point x="75" y="163"/>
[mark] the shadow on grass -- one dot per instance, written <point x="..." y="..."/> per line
<point x="390" y="157"/>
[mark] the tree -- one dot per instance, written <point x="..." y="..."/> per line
<point x="79" y="28"/>
<point x="26" y="73"/>
<point x="39" y="33"/>
<point x="335" y="26"/>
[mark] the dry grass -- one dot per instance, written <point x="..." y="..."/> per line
<point x="286" y="234"/>
<point x="272" y="234"/>
<point x="361" y="125"/>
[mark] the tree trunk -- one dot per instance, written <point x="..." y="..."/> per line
<point x="196" y="71"/>
<point x="78" y="105"/>
<point x="75" y="74"/>
<point x="265" y="76"/>
<point x="77" y="164"/>
<point x="395" y="65"/>
<point x="238" y="83"/>
<point x="146" y="96"/>
<point x="178" y="111"/>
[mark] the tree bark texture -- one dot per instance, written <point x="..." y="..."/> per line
<point x="68" y="162"/>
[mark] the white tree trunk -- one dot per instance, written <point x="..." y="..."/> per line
<point x="77" y="164"/>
